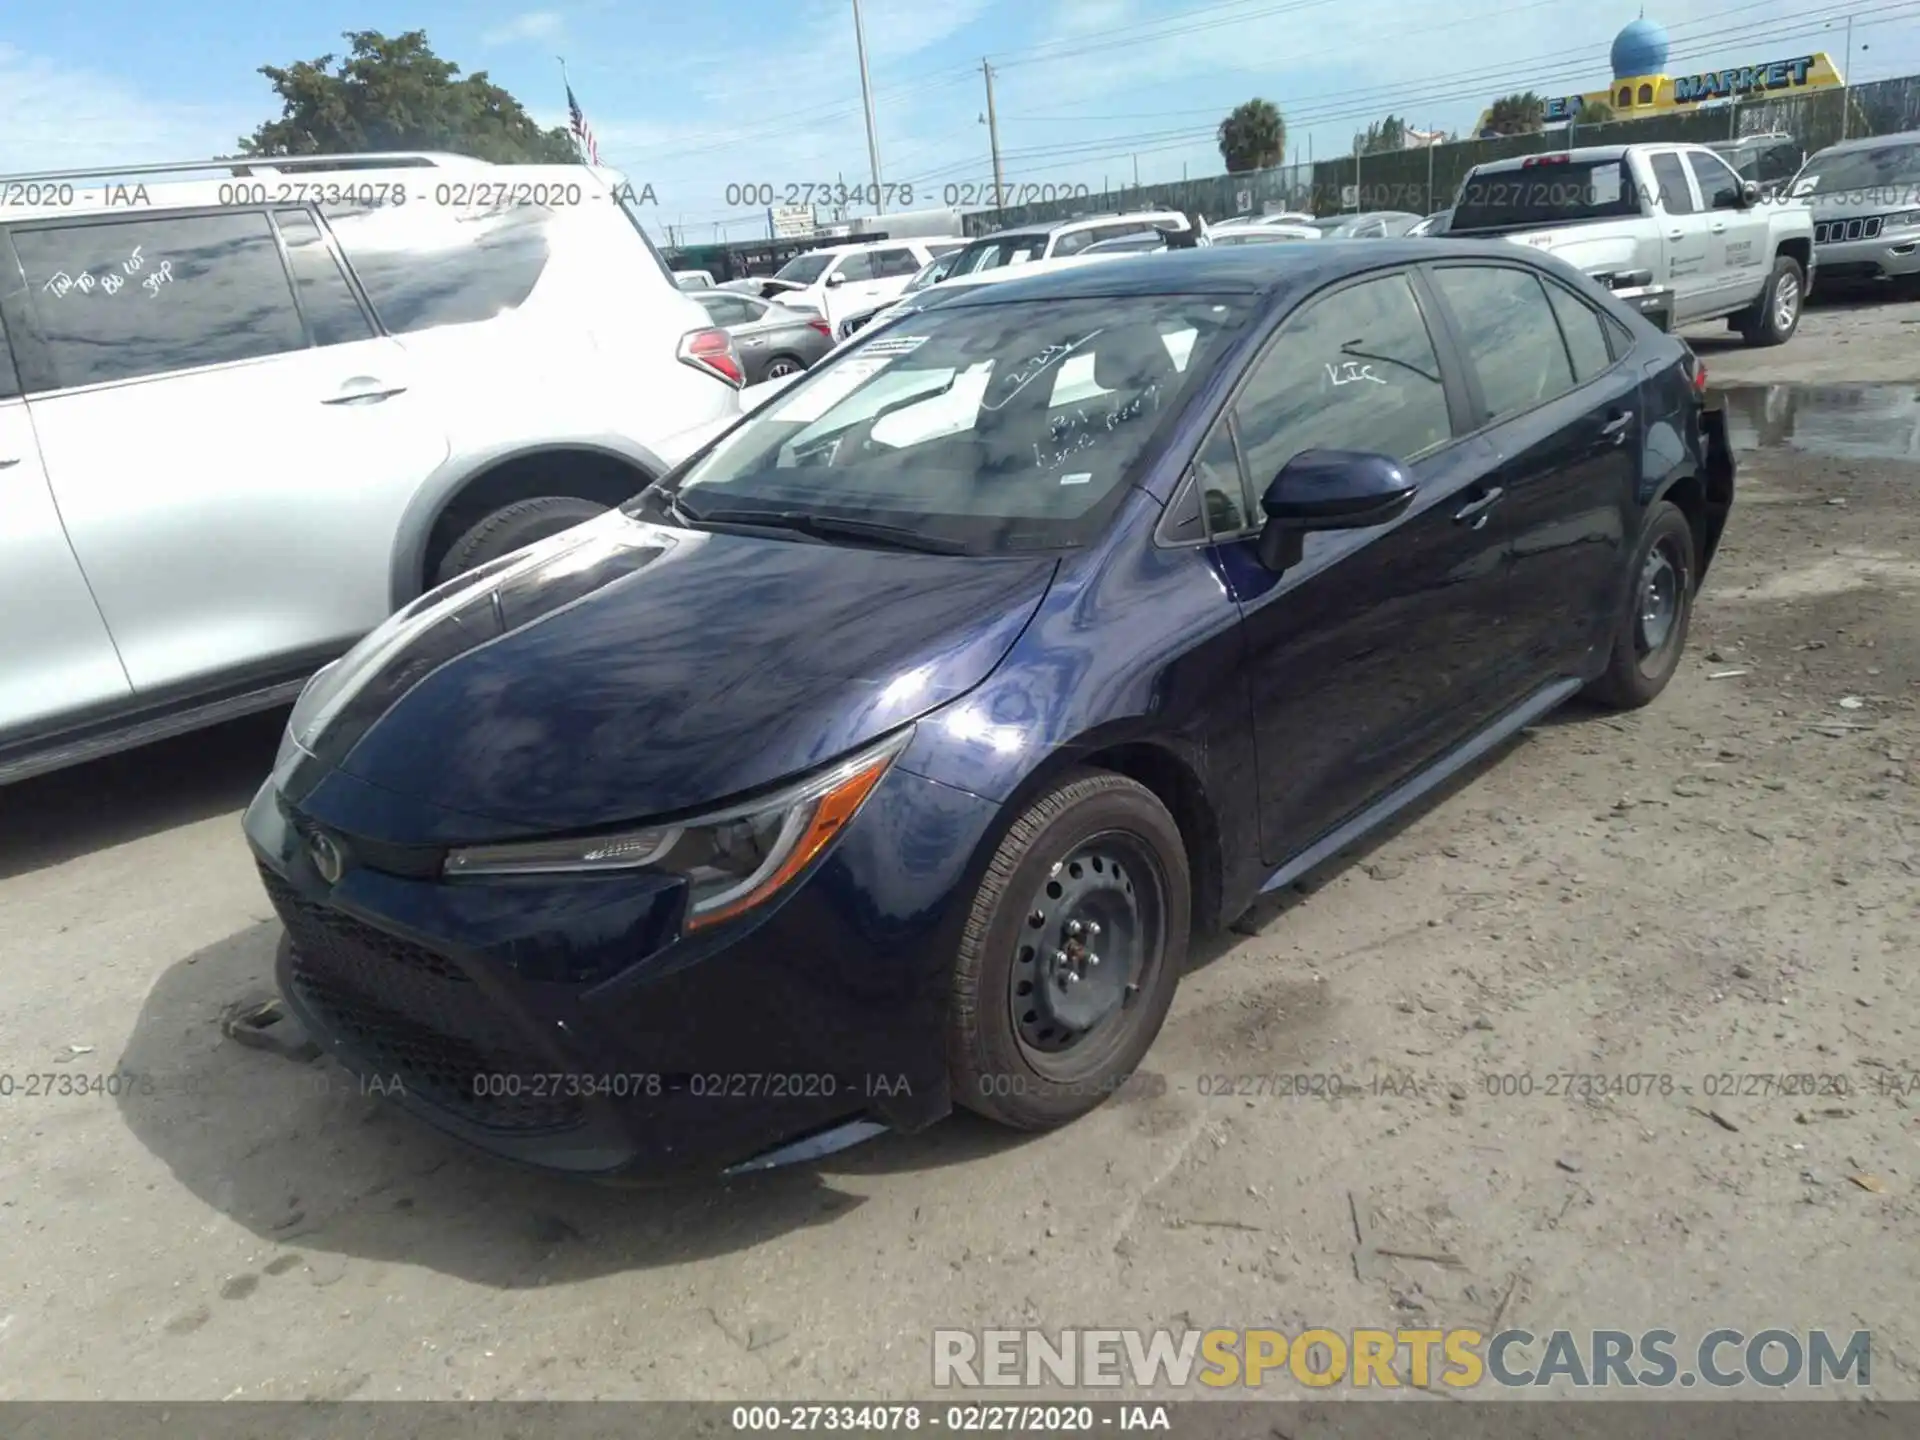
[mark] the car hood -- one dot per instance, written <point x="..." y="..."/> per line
<point x="1882" y="200"/>
<point x="626" y="670"/>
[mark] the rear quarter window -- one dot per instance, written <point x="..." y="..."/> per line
<point x="424" y="267"/>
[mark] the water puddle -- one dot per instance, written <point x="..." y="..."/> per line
<point x="1836" y="422"/>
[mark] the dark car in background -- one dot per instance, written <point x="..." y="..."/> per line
<point x="770" y="340"/>
<point x="884" y="757"/>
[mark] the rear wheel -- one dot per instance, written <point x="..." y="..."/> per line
<point x="513" y="527"/>
<point x="1071" y="953"/>
<point x="783" y="365"/>
<point x="1772" y="319"/>
<point x="1652" y="634"/>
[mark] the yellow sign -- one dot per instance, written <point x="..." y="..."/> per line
<point x="1636" y="96"/>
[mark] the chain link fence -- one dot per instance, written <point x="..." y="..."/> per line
<point x="1424" y="180"/>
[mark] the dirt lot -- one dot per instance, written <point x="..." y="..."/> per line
<point x="1718" y="890"/>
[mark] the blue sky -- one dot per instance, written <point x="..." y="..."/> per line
<point x="693" y="98"/>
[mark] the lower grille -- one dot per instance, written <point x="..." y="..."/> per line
<point x="413" y="1016"/>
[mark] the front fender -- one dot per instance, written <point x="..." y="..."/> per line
<point x="444" y="485"/>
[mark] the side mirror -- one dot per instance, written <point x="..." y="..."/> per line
<point x="1329" y="490"/>
<point x="836" y="279"/>
<point x="1749" y="193"/>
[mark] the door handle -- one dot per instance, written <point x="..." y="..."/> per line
<point x="1616" y="428"/>
<point x="365" y="397"/>
<point x="9" y="464"/>
<point x="1478" y="507"/>
<point x="1721" y="228"/>
<point x="1676" y="234"/>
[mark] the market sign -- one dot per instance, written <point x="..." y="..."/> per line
<point x="1564" y="107"/>
<point x="1742" y="80"/>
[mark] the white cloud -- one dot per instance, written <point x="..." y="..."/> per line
<point x="54" y="117"/>
<point x="524" y="28"/>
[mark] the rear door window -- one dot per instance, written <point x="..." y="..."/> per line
<point x="1671" y="184"/>
<point x="424" y="266"/>
<point x="1512" y="339"/>
<point x="120" y="299"/>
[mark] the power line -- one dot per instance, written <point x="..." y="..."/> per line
<point x="1156" y="142"/>
<point x="1368" y="102"/>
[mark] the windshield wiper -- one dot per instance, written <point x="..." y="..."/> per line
<point x="831" y="527"/>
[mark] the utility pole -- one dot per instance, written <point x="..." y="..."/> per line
<point x="866" y="99"/>
<point x="1846" y="84"/>
<point x="993" y="139"/>
<point x="1136" y="173"/>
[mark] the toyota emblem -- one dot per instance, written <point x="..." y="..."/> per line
<point x="326" y="858"/>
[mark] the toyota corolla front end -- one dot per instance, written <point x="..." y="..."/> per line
<point x="747" y="972"/>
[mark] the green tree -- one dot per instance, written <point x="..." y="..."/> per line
<point x="1387" y="134"/>
<point x="1594" y="112"/>
<point x="396" y="94"/>
<point x="1520" y="114"/>
<point x="1253" y="137"/>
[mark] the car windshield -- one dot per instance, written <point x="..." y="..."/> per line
<point x="1895" y="168"/>
<point x="804" y="269"/>
<point x="1003" y="250"/>
<point x="1004" y="426"/>
<point x="1537" y="196"/>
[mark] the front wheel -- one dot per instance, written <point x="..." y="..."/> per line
<point x="1071" y="953"/>
<point x="1773" y="318"/>
<point x="1652" y="634"/>
<point x="513" y="527"/>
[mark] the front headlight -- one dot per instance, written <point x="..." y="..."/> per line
<point x="731" y="859"/>
<point x="1905" y="220"/>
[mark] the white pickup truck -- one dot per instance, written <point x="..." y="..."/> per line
<point x="1652" y="219"/>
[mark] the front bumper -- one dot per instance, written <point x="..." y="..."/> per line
<point x="1890" y="257"/>
<point x="563" y="1022"/>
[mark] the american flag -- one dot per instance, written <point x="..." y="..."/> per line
<point x="582" y="132"/>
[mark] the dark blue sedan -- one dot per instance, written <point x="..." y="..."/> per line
<point x="885" y="756"/>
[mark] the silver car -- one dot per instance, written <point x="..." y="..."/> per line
<point x="772" y="340"/>
<point x="1865" y="196"/>
<point x="1367" y="225"/>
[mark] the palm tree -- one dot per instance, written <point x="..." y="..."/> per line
<point x="1519" y="114"/>
<point x="1253" y="137"/>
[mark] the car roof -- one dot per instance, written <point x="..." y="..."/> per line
<point x="1235" y="269"/>
<point x="1874" y="142"/>
<point x="162" y="186"/>
<point x="1052" y="227"/>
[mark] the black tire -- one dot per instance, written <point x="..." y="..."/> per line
<point x="793" y="363"/>
<point x="1768" y="321"/>
<point x="1638" y="671"/>
<point x="1086" y="823"/>
<point x="513" y="527"/>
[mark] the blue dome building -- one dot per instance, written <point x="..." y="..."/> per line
<point x="1640" y="49"/>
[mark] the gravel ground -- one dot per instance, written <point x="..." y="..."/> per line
<point x="1709" y="894"/>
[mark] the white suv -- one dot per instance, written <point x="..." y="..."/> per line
<point x="245" y="417"/>
<point x="839" y="280"/>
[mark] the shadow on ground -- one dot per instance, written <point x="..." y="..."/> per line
<point x="126" y="797"/>
<point x="301" y="1155"/>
